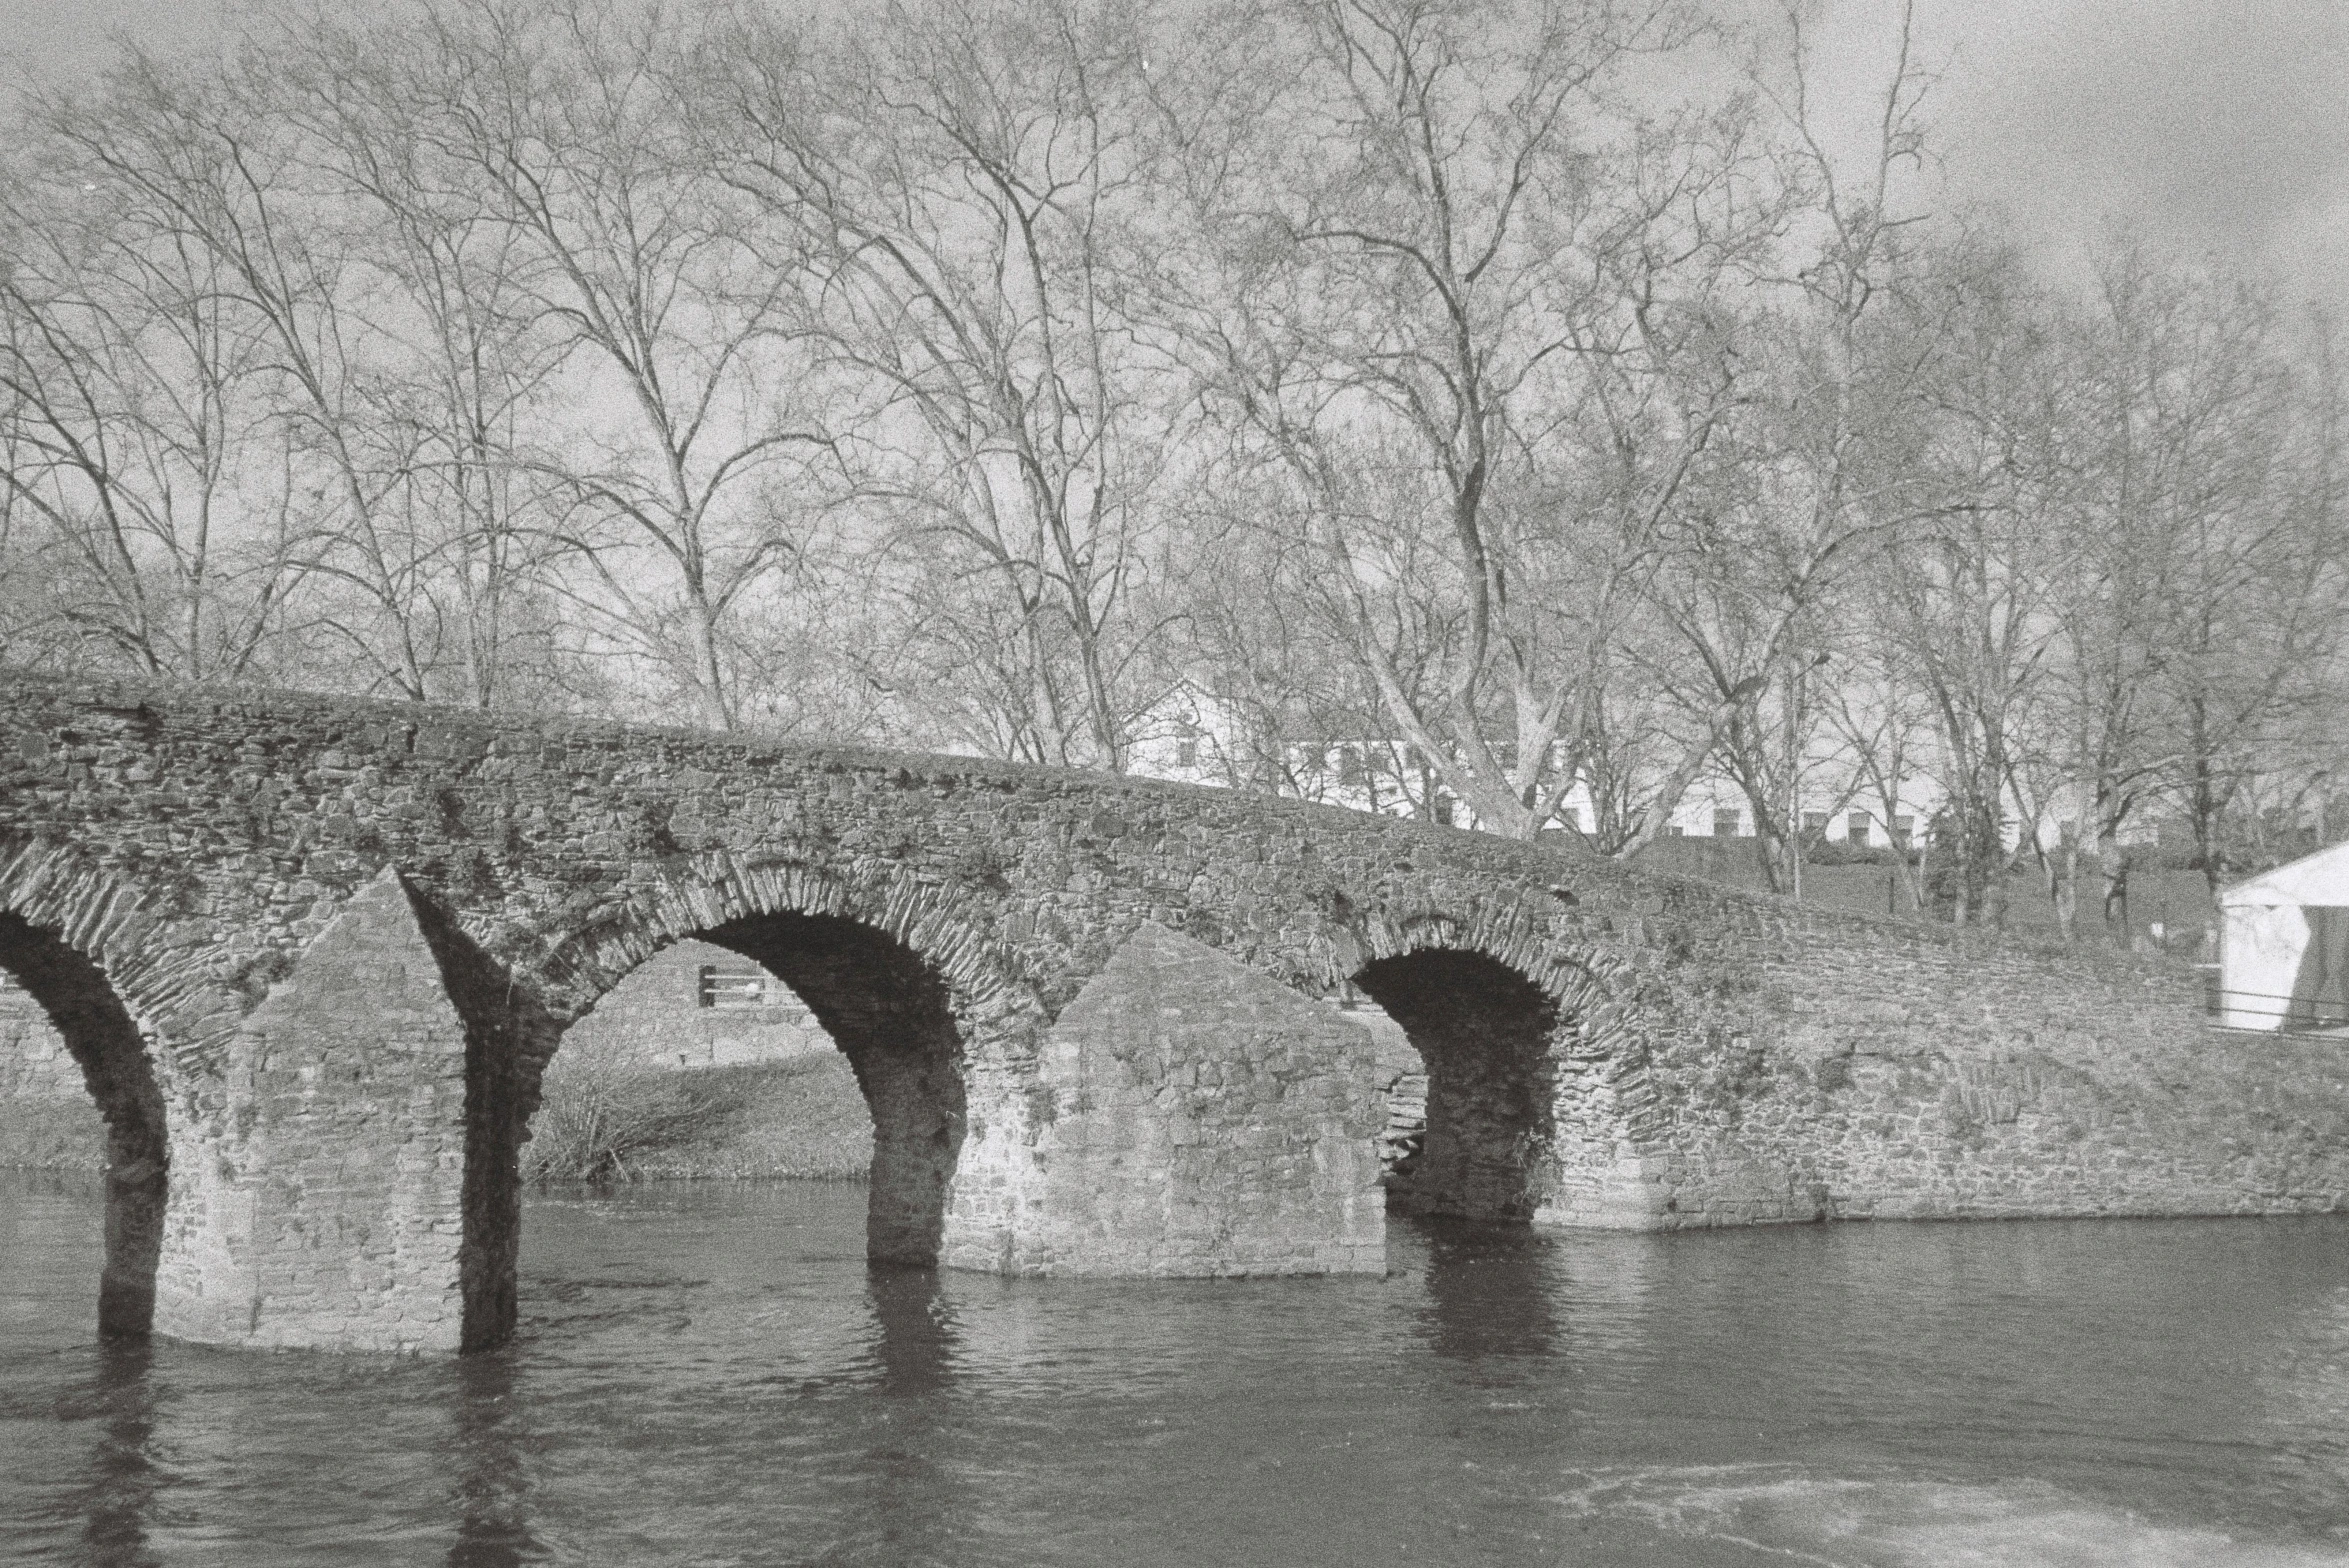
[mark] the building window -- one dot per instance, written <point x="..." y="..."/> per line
<point x="1186" y="753"/>
<point x="1902" y="827"/>
<point x="732" y="989"/>
<point x="1856" y="828"/>
<point x="1814" y="824"/>
<point x="1350" y="765"/>
<point x="1725" y="824"/>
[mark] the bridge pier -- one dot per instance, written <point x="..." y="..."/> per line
<point x="1205" y="1121"/>
<point x="318" y="1190"/>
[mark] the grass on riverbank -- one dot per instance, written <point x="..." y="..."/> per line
<point x="804" y="1118"/>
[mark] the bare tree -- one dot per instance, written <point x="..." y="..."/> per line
<point x="457" y="369"/>
<point x="2256" y="605"/>
<point x="1824" y="460"/>
<point x="1884" y="728"/>
<point x="1963" y="600"/>
<point x="136" y="443"/>
<point x="215" y="171"/>
<point x="1475" y="327"/>
<point x="966" y="173"/>
<point x="692" y="442"/>
<point x="2199" y="583"/>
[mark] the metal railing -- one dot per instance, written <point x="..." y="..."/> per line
<point x="2293" y="1014"/>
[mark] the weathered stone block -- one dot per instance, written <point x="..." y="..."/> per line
<point x="1207" y="1121"/>
<point x="330" y="1214"/>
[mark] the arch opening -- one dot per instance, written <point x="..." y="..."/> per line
<point x="98" y="1032"/>
<point x="1484" y="1032"/>
<point x="890" y="1015"/>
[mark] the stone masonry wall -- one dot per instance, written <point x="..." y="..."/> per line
<point x="1714" y="1056"/>
<point x="1207" y="1121"/>
<point x="655" y="1017"/>
<point x="1869" y="1076"/>
<point x="34" y="1063"/>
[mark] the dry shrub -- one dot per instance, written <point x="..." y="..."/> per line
<point x="599" y="1115"/>
<point x="602" y="1117"/>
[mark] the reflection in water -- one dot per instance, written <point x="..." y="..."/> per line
<point x="1605" y="1288"/>
<point x="912" y="1492"/>
<point x="124" y="1477"/>
<point x="1485" y="1293"/>
<point x="714" y="1374"/>
<point x="493" y="1482"/>
<point x="915" y="1339"/>
<point x="2308" y="1380"/>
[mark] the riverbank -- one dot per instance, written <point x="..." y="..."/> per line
<point x="803" y="1118"/>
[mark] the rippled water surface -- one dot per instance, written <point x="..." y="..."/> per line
<point x="710" y="1375"/>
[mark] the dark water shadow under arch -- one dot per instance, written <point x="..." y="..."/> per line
<point x="106" y="1044"/>
<point x="890" y="1013"/>
<point x="1484" y="1031"/>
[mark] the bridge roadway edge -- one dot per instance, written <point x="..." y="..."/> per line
<point x="1705" y="1056"/>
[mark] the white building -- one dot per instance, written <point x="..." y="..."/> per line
<point x="1194" y="737"/>
<point x="2284" y="946"/>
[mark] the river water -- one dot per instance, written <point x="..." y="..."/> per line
<point x="709" y="1374"/>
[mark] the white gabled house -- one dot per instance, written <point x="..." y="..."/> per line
<point x="2284" y="946"/>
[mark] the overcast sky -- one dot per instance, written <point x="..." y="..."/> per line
<point x="2211" y="126"/>
<point x="2208" y="126"/>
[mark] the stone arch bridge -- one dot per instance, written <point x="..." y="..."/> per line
<point x="313" y="953"/>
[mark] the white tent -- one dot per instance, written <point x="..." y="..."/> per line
<point x="2284" y="959"/>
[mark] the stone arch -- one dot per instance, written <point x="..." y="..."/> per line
<point x="938" y="1028"/>
<point x="57" y="917"/>
<point x="1538" y="1096"/>
<point x="159" y="958"/>
<point x="942" y="925"/>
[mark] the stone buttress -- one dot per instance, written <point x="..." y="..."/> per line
<point x="325" y="1208"/>
<point x="1206" y="1121"/>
